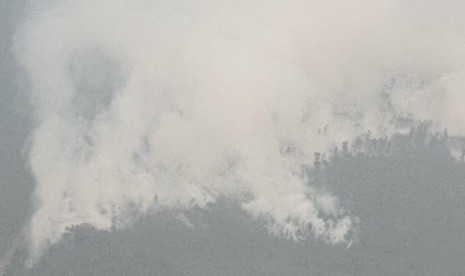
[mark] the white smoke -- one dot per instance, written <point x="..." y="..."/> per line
<point x="7" y="258"/>
<point x="142" y="105"/>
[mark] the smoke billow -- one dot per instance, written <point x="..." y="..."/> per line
<point x="144" y="105"/>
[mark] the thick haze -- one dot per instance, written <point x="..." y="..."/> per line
<point x="142" y="106"/>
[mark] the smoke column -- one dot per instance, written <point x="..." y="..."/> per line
<point x="148" y="105"/>
<point x="7" y="259"/>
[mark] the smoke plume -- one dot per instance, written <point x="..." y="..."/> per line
<point x="147" y="105"/>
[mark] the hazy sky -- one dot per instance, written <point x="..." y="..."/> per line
<point x="293" y="122"/>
